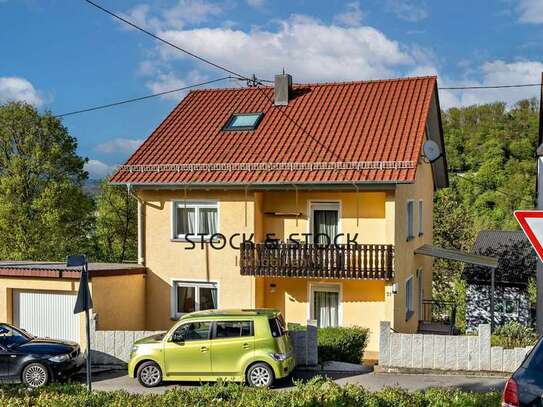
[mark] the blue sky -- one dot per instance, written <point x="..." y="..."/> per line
<point x="64" y="55"/>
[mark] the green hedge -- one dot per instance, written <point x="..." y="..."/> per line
<point x="514" y="335"/>
<point x="317" y="392"/>
<point x="342" y="344"/>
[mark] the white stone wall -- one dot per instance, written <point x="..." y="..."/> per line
<point x="444" y="352"/>
<point x="113" y="347"/>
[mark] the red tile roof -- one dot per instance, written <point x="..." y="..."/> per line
<point x="368" y="124"/>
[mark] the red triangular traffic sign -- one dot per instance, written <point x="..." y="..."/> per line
<point x="531" y="223"/>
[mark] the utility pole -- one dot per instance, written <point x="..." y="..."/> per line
<point x="539" y="194"/>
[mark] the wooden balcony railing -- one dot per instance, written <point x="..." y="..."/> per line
<point x="348" y="261"/>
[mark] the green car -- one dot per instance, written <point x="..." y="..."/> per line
<point x="238" y="345"/>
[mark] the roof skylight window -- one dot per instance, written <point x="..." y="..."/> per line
<point x="243" y="121"/>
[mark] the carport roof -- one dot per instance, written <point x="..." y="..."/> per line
<point x="59" y="270"/>
<point x="451" y="254"/>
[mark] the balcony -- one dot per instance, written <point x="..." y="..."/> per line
<point x="342" y="261"/>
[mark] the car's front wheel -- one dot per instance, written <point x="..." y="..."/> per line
<point x="260" y="375"/>
<point x="35" y="375"/>
<point x="149" y="374"/>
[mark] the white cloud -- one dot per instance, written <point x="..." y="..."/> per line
<point x="305" y="47"/>
<point x="98" y="170"/>
<point x="13" y="88"/>
<point x="531" y="11"/>
<point x="408" y="10"/>
<point x="119" y="145"/>
<point x="166" y="81"/>
<point x="182" y="13"/>
<point x="351" y="17"/>
<point x="490" y="73"/>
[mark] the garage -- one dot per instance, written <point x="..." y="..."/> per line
<point x="47" y="314"/>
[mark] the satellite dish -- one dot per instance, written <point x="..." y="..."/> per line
<point x="431" y="150"/>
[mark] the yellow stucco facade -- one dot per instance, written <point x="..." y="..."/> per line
<point x="375" y="216"/>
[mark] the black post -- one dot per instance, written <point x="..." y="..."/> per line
<point x="492" y="297"/>
<point x="87" y="321"/>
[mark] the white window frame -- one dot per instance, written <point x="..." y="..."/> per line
<point x="324" y="206"/>
<point x="196" y="205"/>
<point x="410" y="215"/>
<point x="409" y="302"/>
<point x="421" y="217"/>
<point x="327" y="287"/>
<point x="174" y="312"/>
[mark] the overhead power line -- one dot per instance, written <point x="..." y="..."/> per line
<point x="122" y="102"/>
<point x="156" y="37"/>
<point x="523" y="85"/>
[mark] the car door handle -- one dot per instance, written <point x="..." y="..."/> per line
<point x="245" y="346"/>
<point x="12" y="356"/>
<point x="203" y="349"/>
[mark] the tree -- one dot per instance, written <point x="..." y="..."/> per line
<point x="491" y="156"/>
<point x="453" y="229"/>
<point x="44" y="212"/>
<point x="116" y="224"/>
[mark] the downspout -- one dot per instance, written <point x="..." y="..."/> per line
<point x="141" y="225"/>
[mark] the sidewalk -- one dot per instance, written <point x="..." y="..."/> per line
<point x="118" y="380"/>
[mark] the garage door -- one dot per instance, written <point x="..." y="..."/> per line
<point x="47" y="314"/>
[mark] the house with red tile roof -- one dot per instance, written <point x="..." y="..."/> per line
<point x="307" y="198"/>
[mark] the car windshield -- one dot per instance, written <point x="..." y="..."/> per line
<point x="11" y="338"/>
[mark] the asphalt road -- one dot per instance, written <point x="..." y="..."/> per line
<point x="118" y="380"/>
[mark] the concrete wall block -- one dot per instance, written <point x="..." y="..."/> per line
<point x="395" y="350"/>
<point x="109" y="342"/>
<point x="520" y="354"/>
<point x="484" y="347"/>
<point x="451" y="346"/>
<point x="473" y="353"/>
<point x="312" y="355"/>
<point x="384" y="343"/>
<point x="496" y="359"/>
<point x="407" y="350"/>
<point x="119" y="344"/>
<point x="439" y="352"/>
<point x="462" y="355"/>
<point x="417" y="350"/>
<point x="428" y="351"/>
<point x="509" y="360"/>
<point x="98" y="341"/>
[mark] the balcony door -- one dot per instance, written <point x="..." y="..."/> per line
<point x="325" y="304"/>
<point x="324" y="222"/>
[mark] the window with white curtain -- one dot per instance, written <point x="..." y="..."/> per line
<point x="325" y="305"/>
<point x="194" y="218"/>
<point x="410" y="232"/>
<point x="191" y="296"/>
<point x="409" y="308"/>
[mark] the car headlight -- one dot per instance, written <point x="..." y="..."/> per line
<point x="60" y="358"/>
<point x="135" y="348"/>
<point x="279" y="356"/>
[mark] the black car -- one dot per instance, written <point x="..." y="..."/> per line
<point x="525" y="387"/>
<point x="34" y="361"/>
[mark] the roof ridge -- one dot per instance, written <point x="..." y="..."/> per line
<point x="318" y="84"/>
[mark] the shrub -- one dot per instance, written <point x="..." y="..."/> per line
<point x="342" y="344"/>
<point x="514" y="335"/>
<point x="295" y="327"/>
<point x="316" y="392"/>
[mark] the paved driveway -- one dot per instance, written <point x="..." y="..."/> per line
<point x="372" y="381"/>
